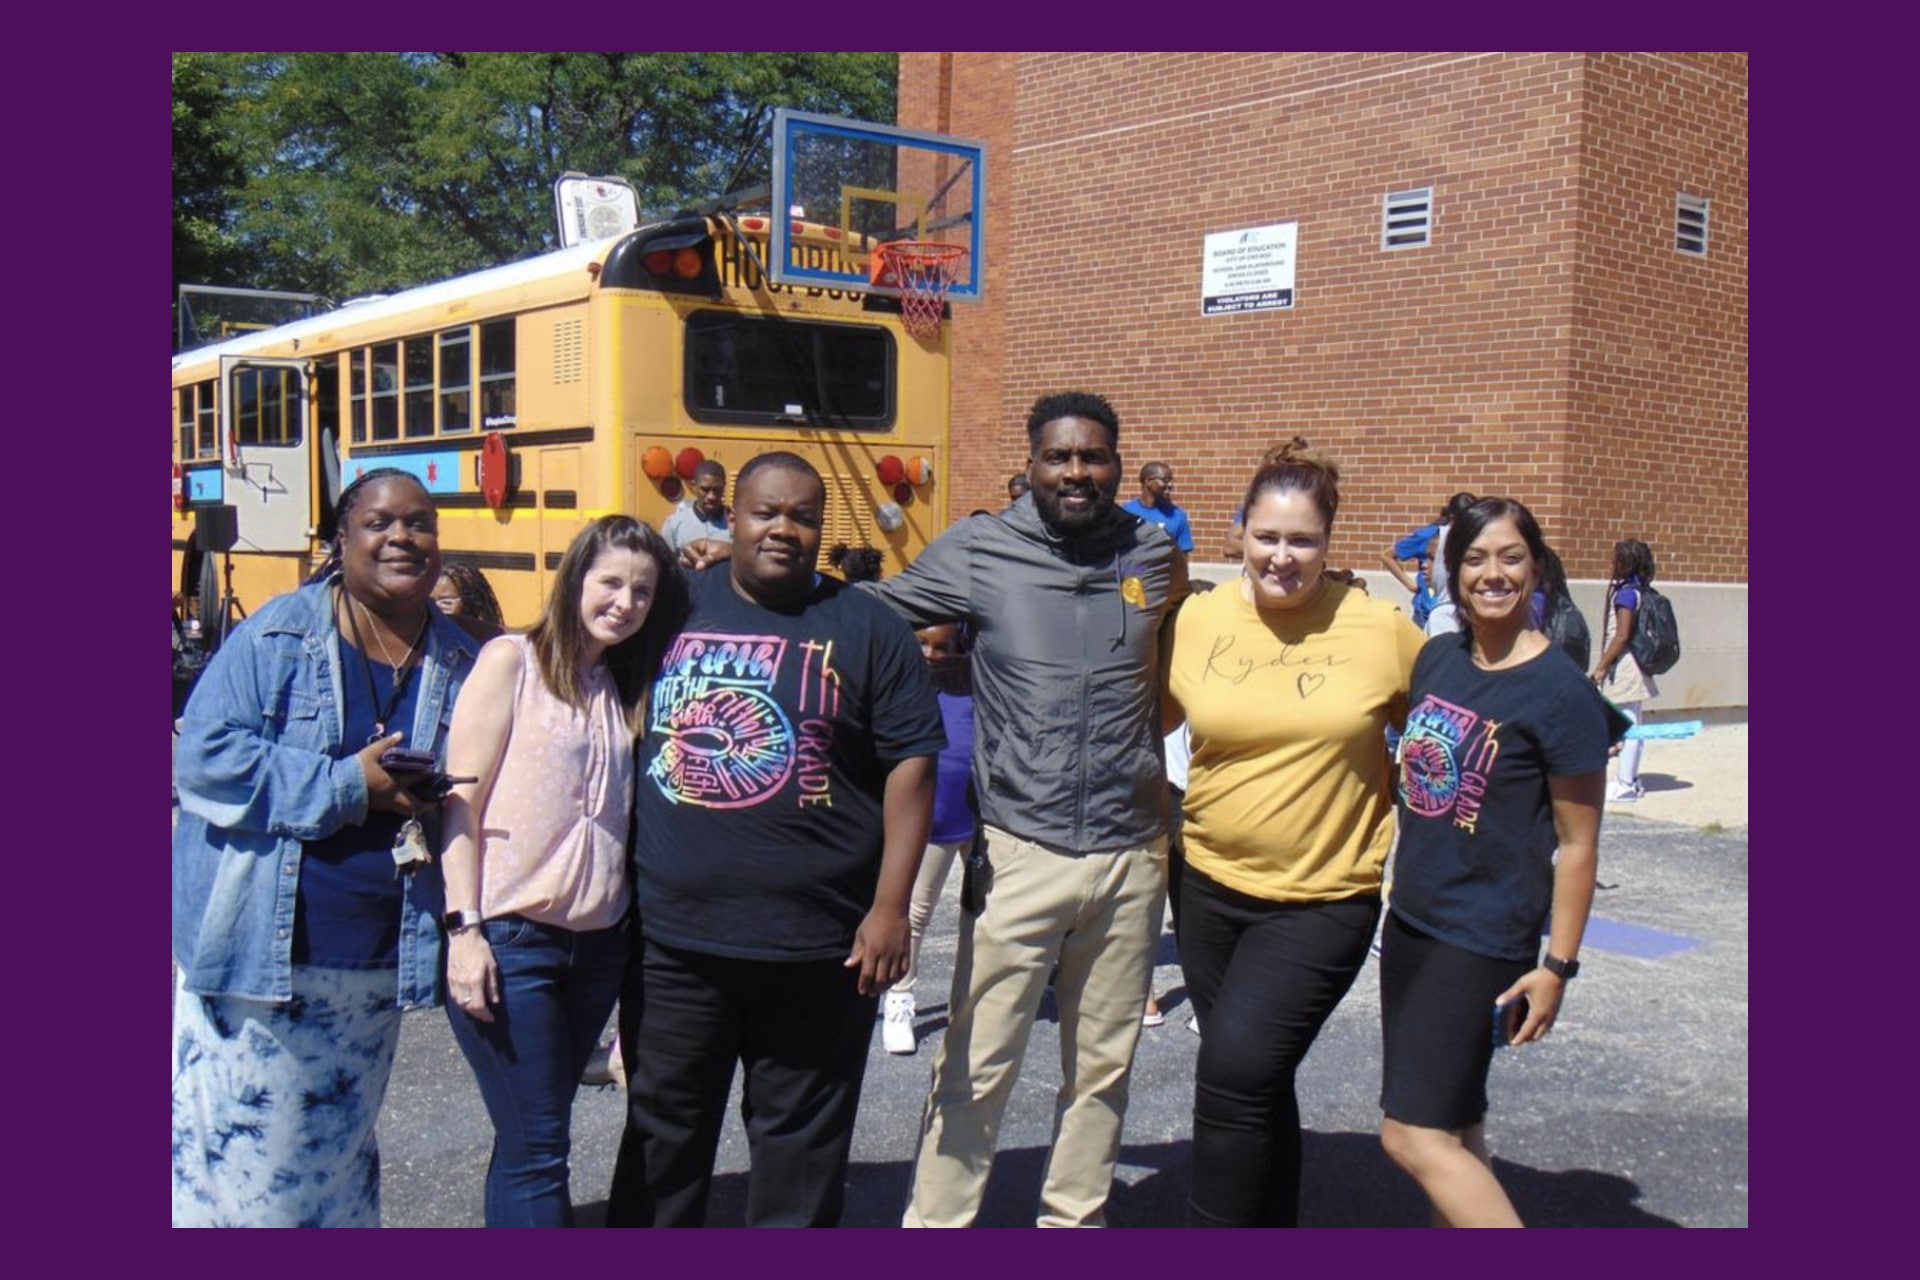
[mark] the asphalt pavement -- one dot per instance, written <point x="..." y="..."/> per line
<point x="1634" y="1112"/>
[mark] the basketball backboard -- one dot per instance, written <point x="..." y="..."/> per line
<point x="872" y="183"/>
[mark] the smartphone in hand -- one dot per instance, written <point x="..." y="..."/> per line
<point x="1507" y="1021"/>
<point x="399" y="761"/>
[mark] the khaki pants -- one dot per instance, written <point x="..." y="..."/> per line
<point x="1098" y="916"/>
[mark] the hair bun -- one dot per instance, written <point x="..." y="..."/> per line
<point x="1298" y="453"/>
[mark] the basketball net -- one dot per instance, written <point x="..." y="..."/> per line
<point x="923" y="271"/>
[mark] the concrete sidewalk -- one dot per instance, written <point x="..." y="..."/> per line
<point x="1699" y="781"/>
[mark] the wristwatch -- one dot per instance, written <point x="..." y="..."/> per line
<point x="1565" y="970"/>
<point x="455" y="921"/>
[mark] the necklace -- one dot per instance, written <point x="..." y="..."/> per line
<point x="386" y="654"/>
<point x="402" y="671"/>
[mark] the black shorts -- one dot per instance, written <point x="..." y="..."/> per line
<point x="1436" y="1027"/>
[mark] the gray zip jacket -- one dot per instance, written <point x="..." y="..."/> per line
<point x="1066" y="668"/>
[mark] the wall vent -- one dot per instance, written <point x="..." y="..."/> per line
<point x="1406" y="219"/>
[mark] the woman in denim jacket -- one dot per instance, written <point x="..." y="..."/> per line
<point x="304" y="918"/>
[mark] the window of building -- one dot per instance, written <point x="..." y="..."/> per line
<point x="1690" y="224"/>
<point x="1406" y="219"/>
<point x="747" y="369"/>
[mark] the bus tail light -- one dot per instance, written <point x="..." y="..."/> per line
<point x="920" y="471"/>
<point x="891" y="470"/>
<point x="657" y="463"/>
<point x="675" y="256"/>
<point x="688" y="462"/>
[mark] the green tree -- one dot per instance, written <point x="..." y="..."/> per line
<point x="370" y="172"/>
<point x="208" y="179"/>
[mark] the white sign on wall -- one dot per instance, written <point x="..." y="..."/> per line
<point x="1250" y="270"/>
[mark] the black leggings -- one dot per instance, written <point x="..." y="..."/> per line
<point x="1264" y="977"/>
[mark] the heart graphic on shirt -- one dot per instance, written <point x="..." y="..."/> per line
<point x="1308" y="682"/>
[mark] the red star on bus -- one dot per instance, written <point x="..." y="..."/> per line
<point x="433" y="472"/>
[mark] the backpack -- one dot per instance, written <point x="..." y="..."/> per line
<point x="1656" y="635"/>
<point x="1567" y="628"/>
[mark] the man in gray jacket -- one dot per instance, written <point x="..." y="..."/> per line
<point x="1066" y="594"/>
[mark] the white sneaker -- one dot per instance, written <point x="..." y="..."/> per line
<point x="896" y="1033"/>
<point x="1625" y="794"/>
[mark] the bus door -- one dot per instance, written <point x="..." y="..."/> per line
<point x="266" y="454"/>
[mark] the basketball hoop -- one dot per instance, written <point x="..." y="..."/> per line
<point x="923" y="270"/>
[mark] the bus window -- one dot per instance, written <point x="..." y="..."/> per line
<point x="183" y="418"/>
<point x="747" y="369"/>
<point x="385" y="395"/>
<point x="456" y="380"/>
<point x="497" y="364"/>
<point x="205" y="412"/>
<point x="357" y="379"/>
<point x="267" y="408"/>
<point x="419" y="413"/>
<point x="326" y="393"/>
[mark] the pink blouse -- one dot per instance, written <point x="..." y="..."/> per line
<point x="553" y="835"/>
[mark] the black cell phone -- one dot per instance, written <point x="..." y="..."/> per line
<point x="399" y="760"/>
<point x="976" y="877"/>
<point x="1507" y="1020"/>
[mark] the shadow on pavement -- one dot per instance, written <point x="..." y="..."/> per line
<point x="1349" y="1183"/>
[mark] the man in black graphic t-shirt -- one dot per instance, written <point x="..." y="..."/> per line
<point x="785" y="796"/>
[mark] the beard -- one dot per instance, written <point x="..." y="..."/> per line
<point x="1072" y="523"/>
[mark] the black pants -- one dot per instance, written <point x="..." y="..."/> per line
<point x="800" y="1029"/>
<point x="1264" y="977"/>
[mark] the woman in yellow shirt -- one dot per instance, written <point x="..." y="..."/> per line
<point x="1288" y="681"/>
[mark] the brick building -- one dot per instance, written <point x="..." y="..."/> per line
<point x="1550" y="341"/>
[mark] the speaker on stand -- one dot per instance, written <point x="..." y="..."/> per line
<point x="217" y="529"/>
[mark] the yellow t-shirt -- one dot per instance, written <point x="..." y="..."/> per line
<point x="1288" y="796"/>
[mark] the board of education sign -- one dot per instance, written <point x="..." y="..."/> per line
<point x="1249" y="270"/>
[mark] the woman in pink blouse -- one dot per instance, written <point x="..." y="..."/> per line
<point x="536" y="849"/>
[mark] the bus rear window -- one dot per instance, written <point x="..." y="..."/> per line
<point x="748" y="369"/>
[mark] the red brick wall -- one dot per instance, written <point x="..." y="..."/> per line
<point x="1546" y="325"/>
<point x="1659" y="369"/>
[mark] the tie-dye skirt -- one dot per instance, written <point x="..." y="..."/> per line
<point x="274" y="1104"/>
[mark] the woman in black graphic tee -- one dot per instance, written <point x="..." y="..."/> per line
<point x="1503" y="761"/>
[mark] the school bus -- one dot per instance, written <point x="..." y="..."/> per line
<point x="534" y="397"/>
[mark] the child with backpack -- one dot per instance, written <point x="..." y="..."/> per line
<point x="1621" y="674"/>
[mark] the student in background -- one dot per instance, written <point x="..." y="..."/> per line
<point x="1618" y="675"/>
<point x="956" y="818"/>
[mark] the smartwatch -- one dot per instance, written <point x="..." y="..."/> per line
<point x="1565" y="970"/>
<point x="455" y="921"/>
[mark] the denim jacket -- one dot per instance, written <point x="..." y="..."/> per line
<point x="256" y="777"/>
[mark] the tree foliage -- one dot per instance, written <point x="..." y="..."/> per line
<point x="208" y="178"/>
<point x="352" y="173"/>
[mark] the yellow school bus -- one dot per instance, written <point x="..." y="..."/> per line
<point x="534" y="397"/>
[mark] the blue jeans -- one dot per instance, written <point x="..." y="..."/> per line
<point x="557" y="988"/>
